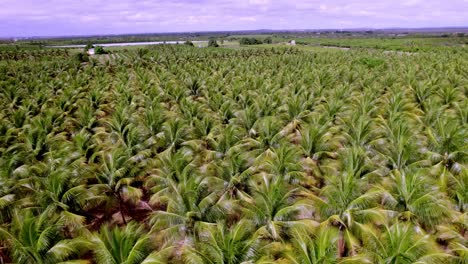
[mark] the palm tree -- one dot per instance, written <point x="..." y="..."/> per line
<point x="404" y="243"/>
<point x="266" y="135"/>
<point x="115" y="177"/>
<point x="318" y="138"/>
<point x="154" y="116"/>
<point x="272" y="209"/>
<point x="298" y="106"/>
<point x="314" y="246"/>
<point x="448" y="155"/>
<point x="120" y="124"/>
<point x="283" y="162"/>
<point x="229" y="176"/>
<point x="347" y="203"/>
<point x="174" y="133"/>
<point x="130" y="244"/>
<point x="224" y="140"/>
<point x="184" y="195"/>
<point x="86" y="117"/>
<point x="359" y="131"/>
<point x="452" y="237"/>
<point x="85" y="145"/>
<point x="332" y="109"/>
<point x="39" y="239"/>
<point x="220" y="244"/>
<point x="247" y="118"/>
<point x="191" y="110"/>
<point x="401" y="145"/>
<point x="412" y="194"/>
<point x="64" y="195"/>
<point x="447" y="146"/>
<point x="7" y="200"/>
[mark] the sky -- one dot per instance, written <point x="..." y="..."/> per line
<point x="23" y="18"/>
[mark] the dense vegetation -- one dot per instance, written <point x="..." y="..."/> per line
<point x="254" y="41"/>
<point x="212" y="43"/>
<point x="410" y="43"/>
<point x="176" y="154"/>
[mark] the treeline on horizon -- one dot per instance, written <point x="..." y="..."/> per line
<point x="229" y="35"/>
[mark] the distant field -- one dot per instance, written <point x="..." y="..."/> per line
<point x="408" y="43"/>
<point x="401" y="44"/>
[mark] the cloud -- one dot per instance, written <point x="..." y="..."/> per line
<point x="259" y="2"/>
<point x="65" y="17"/>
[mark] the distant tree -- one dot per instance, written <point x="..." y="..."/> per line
<point x="213" y="43"/>
<point x="188" y="43"/>
<point x="88" y="46"/>
<point x="82" y="57"/>
<point x="268" y="40"/>
<point x="250" y="41"/>
<point x="99" y="50"/>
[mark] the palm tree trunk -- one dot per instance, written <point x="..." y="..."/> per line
<point x="119" y="197"/>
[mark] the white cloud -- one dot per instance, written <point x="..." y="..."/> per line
<point x="92" y="16"/>
<point x="259" y="2"/>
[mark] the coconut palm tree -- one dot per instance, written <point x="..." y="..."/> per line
<point x="448" y="156"/>
<point x="114" y="181"/>
<point x="283" y="162"/>
<point x="130" y="244"/>
<point x="229" y="176"/>
<point x="401" y="145"/>
<point x="314" y="246"/>
<point x="187" y="203"/>
<point x="347" y="202"/>
<point x="318" y="141"/>
<point x="452" y="237"/>
<point x="404" y="243"/>
<point x="359" y="131"/>
<point x="265" y="135"/>
<point x="318" y="138"/>
<point x="221" y="244"/>
<point x="65" y="196"/>
<point x="224" y="140"/>
<point x="416" y="198"/>
<point x="272" y="209"/>
<point x="174" y="133"/>
<point x="39" y="239"/>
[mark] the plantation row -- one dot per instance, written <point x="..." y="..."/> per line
<point x="35" y="54"/>
<point x="183" y="155"/>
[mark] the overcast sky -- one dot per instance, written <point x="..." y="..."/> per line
<point x="84" y="17"/>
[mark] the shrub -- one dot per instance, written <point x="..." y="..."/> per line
<point x="250" y="41"/>
<point x="99" y="50"/>
<point x="88" y="46"/>
<point x="81" y="57"/>
<point x="213" y="43"/>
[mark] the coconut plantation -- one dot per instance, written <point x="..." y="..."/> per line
<point x="268" y="153"/>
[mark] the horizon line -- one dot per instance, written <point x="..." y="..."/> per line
<point x="236" y="30"/>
